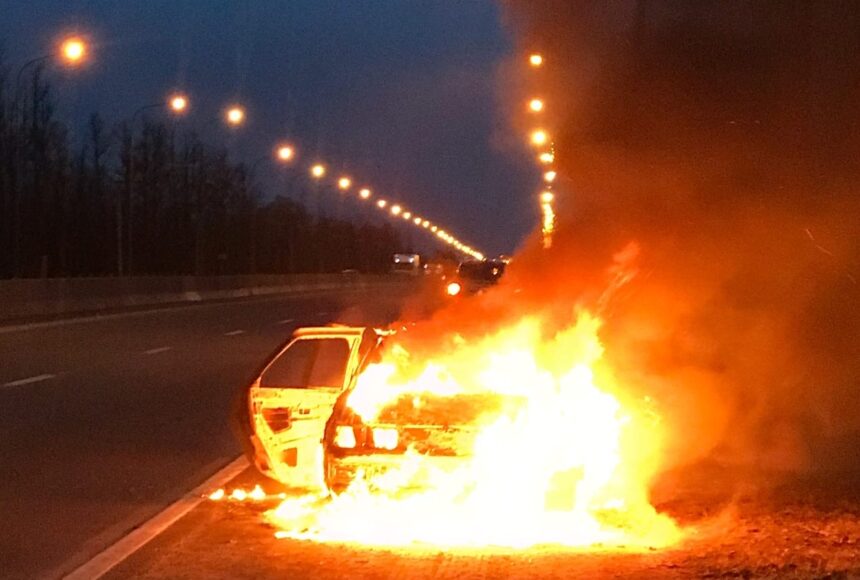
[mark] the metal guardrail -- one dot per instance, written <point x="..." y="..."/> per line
<point x="53" y="297"/>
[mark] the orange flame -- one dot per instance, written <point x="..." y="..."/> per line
<point x="566" y="460"/>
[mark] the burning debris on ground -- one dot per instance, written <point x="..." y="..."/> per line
<point x="790" y="534"/>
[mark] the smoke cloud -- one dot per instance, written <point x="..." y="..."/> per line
<point x="722" y="140"/>
<point x="709" y="210"/>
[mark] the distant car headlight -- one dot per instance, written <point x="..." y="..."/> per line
<point x="344" y="437"/>
<point x="385" y="438"/>
<point x="453" y="289"/>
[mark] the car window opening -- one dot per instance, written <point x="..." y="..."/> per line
<point x="309" y="363"/>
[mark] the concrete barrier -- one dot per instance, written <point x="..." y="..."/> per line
<point x="56" y="297"/>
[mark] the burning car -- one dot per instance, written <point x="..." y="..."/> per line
<point x="301" y="428"/>
<point x="513" y="438"/>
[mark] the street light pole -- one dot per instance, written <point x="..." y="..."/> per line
<point x="283" y="154"/>
<point x="25" y="66"/>
<point x="129" y="200"/>
<point x="249" y="183"/>
<point x="18" y="113"/>
<point x="178" y="103"/>
<point x="72" y="50"/>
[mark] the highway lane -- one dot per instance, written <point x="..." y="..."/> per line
<point x="104" y="422"/>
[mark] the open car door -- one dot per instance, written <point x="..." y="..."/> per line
<point x="293" y="398"/>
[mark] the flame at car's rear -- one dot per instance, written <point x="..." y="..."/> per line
<point x="561" y="453"/>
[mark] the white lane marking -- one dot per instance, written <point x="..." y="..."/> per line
<point x="105" y="561"/>
<point x="29" y="380"/>
<point x="234" y="333"/>
<point x="157" y="350"/>
<point x="286" y="321"/>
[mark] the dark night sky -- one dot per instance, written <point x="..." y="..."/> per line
<point x="406" y="94"/>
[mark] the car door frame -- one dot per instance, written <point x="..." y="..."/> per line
<point x="285" y="455"/>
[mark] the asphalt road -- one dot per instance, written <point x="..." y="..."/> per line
<point x="104" y="422"/>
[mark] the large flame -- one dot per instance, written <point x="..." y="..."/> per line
<point x="567" y="458"/>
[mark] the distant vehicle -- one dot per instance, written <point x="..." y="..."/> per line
<point x="407" y="264"/>
<point x="434" y="269"/>
<point x="474" y="277"/>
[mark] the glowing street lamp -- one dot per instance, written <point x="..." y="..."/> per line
<point x="417" y="221"/>
<point x="73" y="50"/>
<point x="285" y="153"/>
<point x="396" y="209"/>
<point x="70" y="51"/>
<point x="407" y="215"/>
<point x="318" y="170"/>
<point x="535" y="60"/>
<point x="381" y="203"/>
<point x="235" y="115"/>
<point x="547" y="197"/>
<point x="549" y="176"/>
<point x="178" y="103"/>
<point x="536" y="105"/>
<point x="434" y="229"/>
<point x="364" y="193"/>
<point x="344" y="183"/>
<point x="425" y="224"/>
<point x="539" y="137"/>
<point x="546" y="157"/>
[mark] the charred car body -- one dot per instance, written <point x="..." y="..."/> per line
<point x="439" y="428"/>
<point x="297" y="427"/>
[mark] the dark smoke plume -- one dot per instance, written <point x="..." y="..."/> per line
<point x="722" y="139"/>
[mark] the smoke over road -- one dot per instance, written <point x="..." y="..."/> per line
<point x="722" y="140"/>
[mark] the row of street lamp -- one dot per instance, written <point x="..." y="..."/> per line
<point x="73" y="51"/>
<point x="546" y="158"/>
<point x="286" y="153"/>
<point x="394" y="210"/>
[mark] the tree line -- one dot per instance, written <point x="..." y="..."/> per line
<point x="151" y="201"/>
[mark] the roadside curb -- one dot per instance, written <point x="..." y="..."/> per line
<point x="110" y="557"/>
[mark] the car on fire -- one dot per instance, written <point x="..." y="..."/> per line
<point x="298" y="429"/>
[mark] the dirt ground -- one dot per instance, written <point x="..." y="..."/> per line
<point x="802" y="529"/>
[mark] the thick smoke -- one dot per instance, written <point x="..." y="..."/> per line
<point x="721" y="138"/>
<point x="708" y="157"/>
